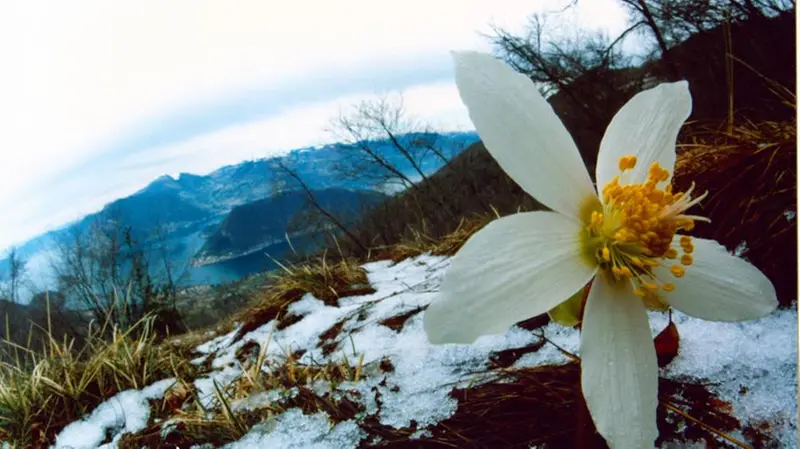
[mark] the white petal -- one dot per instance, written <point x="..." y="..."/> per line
<point x="522" y="133"/>
<point x="619" y="374"/>
<point x="646" y="127"/>
<point x="719" y="286"/>
<point x="515" y="268"/>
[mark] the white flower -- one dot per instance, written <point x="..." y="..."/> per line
<point x="625" y="239"/>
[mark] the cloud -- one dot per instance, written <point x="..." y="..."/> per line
<point x="89" y="85"/>
<point x="307" y="125"/>
<point x="86" y="189"/>
<point x="85" y="71"/>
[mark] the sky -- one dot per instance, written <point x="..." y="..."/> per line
<point x="99" y="98"/>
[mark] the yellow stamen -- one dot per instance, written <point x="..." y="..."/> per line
<point x="650" y="286"/>
<point x="627" y="163"/>
<point x="634" y="229"/>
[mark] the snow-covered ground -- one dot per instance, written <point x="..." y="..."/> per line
<point x="126" y="412"/>
<point x="752" y="365"/>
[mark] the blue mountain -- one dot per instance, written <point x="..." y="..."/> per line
<point x="182" y="213"/>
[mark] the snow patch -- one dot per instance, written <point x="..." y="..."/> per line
<point x="752" y="365"/>
<point x="294" y="430"/>
<point x="126" y="412"/>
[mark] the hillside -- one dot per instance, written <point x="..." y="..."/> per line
<point x="357" y="371"/>
<point x="765" y="47"/>
<point x="259" y="224"/>
<point x="160" y="206"/>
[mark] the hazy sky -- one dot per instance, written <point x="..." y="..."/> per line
<point x="98" y="98"/>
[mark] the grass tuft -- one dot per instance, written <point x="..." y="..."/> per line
<point x="750" y="174"/>
<point x="43" y="391"/>
<point x="445" y="246"/>
<point x="325" y="280"/>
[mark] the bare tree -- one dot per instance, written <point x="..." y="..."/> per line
<point x="385" y="146"/>
<point x="585" y="76"/>
<point x="169" y="274"/>
<point x="670" y="22"/>
<point x="384" y="135"/>
<point x="361" y="128"/>
<point x="642" y="9"/>
<point x="554" y="55"/>
<point x="16" y="274"/>
<point x="280" y="168"/>
<point x="102" y="268"/>
<point x="572" y="65"/>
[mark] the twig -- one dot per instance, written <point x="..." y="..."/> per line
<point x="706" y="426"/>
<point x="572" y="356"/>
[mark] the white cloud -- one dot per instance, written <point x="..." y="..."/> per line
<point x="89" y="189"/>
<point x="437" y="104"/>
<point x="80" y="75"/>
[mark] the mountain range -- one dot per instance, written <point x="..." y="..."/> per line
<point x="218" y="226"/>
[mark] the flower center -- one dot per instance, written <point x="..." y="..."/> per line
<point x="634" y="230"/>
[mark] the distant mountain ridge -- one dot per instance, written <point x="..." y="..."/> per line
<point x="185" y="211"/>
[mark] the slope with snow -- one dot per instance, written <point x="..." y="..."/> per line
<point x="750" y="365"/>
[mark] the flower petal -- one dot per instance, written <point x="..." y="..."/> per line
<point x="646" y="127"/>
<point x="522" y="132"/>
<point x="719" y="286"/>
<point x="515" y="268"/>
<point x="619" y="374"/>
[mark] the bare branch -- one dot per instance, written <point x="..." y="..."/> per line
<point x="312" y="199"/>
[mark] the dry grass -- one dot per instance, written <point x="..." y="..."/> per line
<point x="325" y="280"/>
<point x="44" y="391"/>
<point x="750" y="173"/>
<point x="262" y="375"/>
<point x="222" y="422"/>
<point x="448" y="245"/>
